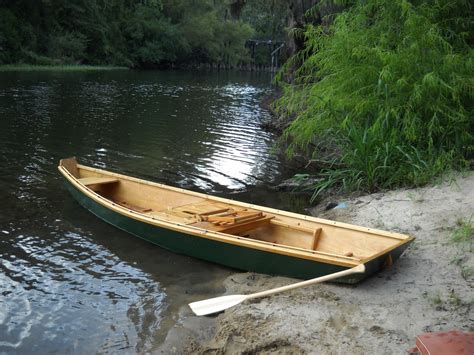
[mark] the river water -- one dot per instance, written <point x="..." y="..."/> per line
<point x="69" y="282"/>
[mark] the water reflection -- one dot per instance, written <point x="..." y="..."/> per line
<point x="71" y="283"/>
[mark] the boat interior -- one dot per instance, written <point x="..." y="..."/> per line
<point x="160" y="202"/>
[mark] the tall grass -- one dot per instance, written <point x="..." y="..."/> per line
<point x="390" y="83"/>
<point x="464" y="234"/>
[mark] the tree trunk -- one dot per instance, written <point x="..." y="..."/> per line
<point x="236" y="8"/>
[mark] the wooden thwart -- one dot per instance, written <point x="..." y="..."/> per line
<point x="88" y="181"/>
<point x="243" y="226"/>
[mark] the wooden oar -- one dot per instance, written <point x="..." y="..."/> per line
<point x="218" y="304"/>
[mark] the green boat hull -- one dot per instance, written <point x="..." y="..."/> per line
<point x="234" y="256"/>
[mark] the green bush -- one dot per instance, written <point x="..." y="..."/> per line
<point x="151" y="37"/>
<point x="232" y="40"/>
<point x="211" y="40"/>
<point x="390" y="84"/>
<point x="67" y="47"/>
<point x="37" y="59"/>
<point x="15" y="37"/>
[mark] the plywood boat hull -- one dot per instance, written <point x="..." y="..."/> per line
<point x="203" y="245"/>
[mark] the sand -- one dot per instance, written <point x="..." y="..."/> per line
<point x="428" y="289"/>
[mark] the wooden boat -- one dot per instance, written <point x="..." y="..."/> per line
<point x="231" y="233"/>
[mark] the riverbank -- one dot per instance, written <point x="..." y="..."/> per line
<point x="31" y="67"/>
<point x="429" y="289"/>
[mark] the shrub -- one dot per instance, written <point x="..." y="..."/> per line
<point x="12" y="37"/>
<point x="68" y="47"/>
<point x="390" y="84"/>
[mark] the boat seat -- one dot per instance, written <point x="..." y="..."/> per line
<point x="88" y="181"/>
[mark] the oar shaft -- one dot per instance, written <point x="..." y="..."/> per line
<point x="354" y="270"/>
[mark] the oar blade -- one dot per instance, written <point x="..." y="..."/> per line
<point x="217" y="304"/>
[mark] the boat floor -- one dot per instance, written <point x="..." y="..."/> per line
<point x="190" y="213"/>
<point x="210" y="215"/>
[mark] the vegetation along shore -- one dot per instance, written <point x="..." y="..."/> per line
<point x="385" y="92"/>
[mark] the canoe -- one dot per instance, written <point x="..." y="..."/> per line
<point x="235" y="234"/>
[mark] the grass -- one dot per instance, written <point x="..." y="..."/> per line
<point x="73" y="67"/>
<point x="464" y="234"/>
<point x="416" y="197"/>
<point x="374" y="161"/>
<point x="467" y="272"/>
<point x="457" y="260"/>
<point x="451" y="301"/>
<point x="414" y="245"/>
<point x="454" y="299"/>
<point x="436" y="299"/>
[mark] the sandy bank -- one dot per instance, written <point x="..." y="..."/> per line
<point x="429" y="289"/>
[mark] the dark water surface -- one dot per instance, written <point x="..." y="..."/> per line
<point x="68" y="281"/>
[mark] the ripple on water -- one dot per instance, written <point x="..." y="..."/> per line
<point x="54" y="290"/>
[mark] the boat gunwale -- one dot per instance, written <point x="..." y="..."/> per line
<point x="291" y="251"/>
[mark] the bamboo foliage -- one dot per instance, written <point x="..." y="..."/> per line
<point x="391" y="83"/>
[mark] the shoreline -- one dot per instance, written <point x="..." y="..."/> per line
<point x="424" y="291"/>
<point x="73" y="67"/>
<point x="86" y="67"/>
